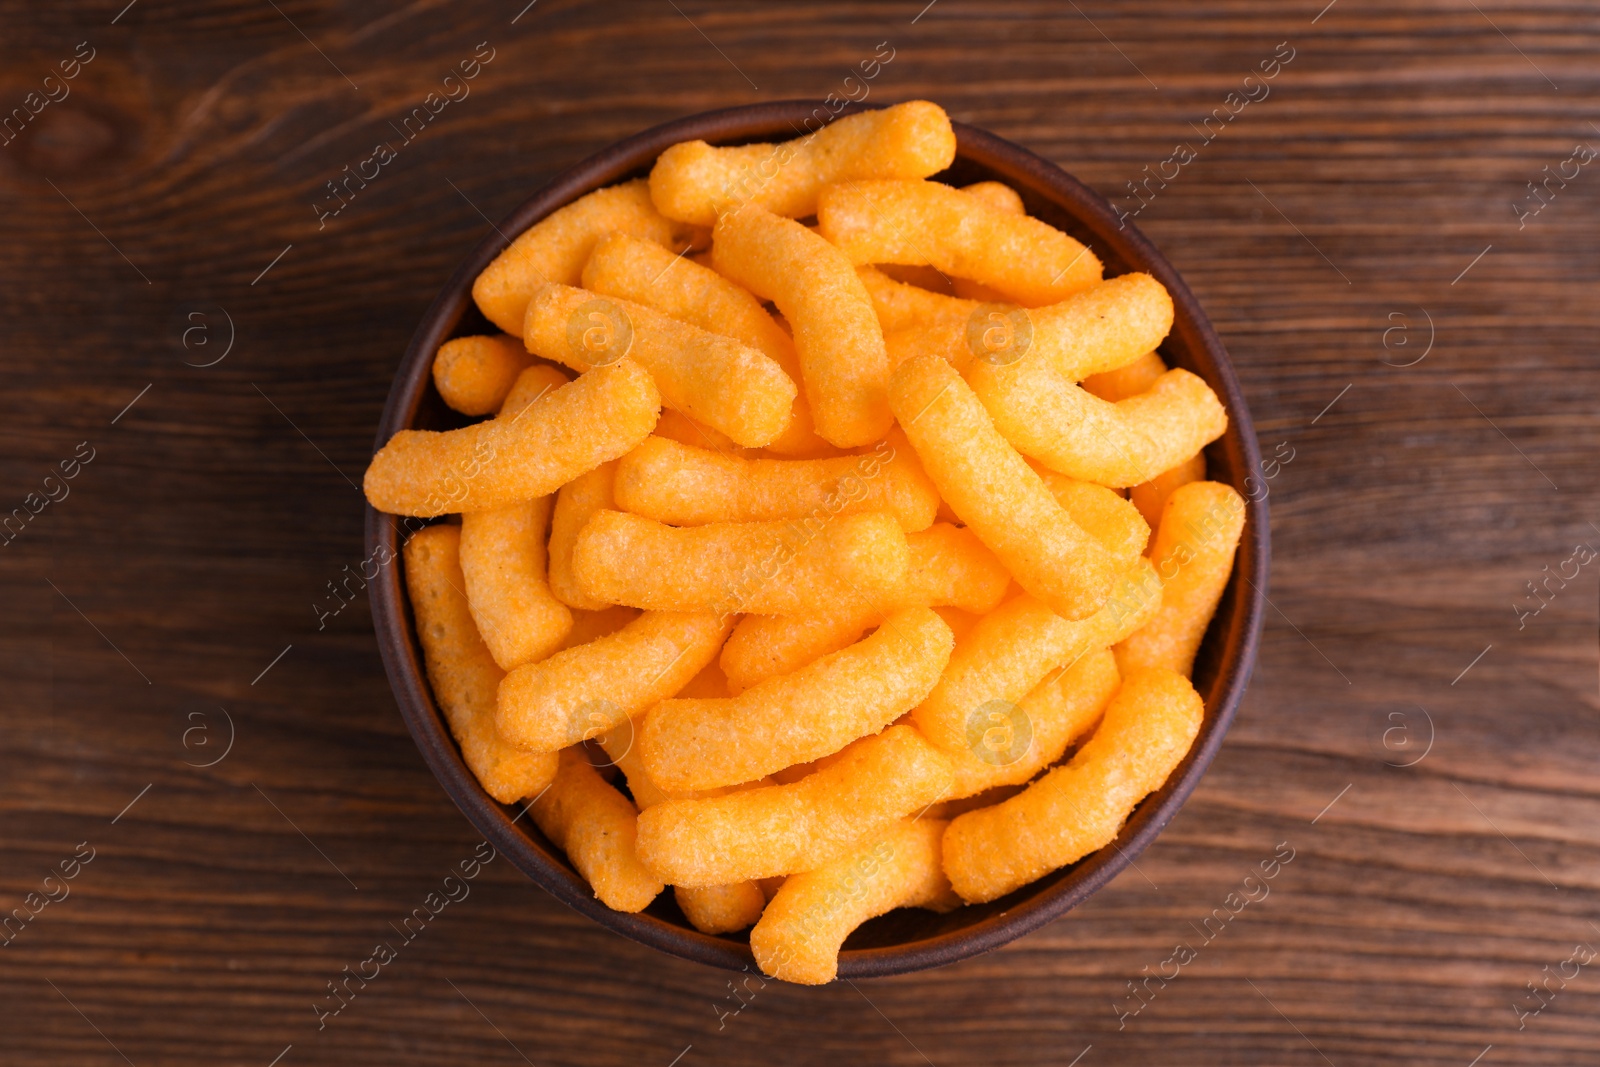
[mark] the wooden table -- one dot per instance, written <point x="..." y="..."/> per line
<point x="171" y="300"/>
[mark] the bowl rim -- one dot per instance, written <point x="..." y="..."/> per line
<point x="1037" y="903"/>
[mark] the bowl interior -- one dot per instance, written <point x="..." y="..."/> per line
<point x="908" y="939"/>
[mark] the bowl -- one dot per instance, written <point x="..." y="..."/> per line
<point x="906" y="940"/>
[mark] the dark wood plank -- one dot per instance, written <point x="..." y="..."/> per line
<point x="191" y="550"/>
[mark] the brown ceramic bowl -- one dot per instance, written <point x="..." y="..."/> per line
<point x="906" y="940"/>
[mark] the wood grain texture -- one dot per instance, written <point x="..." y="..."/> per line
<point x="198" y="543"/>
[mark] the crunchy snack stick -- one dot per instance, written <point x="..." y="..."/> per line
<point x="687" y="486"/>
<point x="996" y="196"/>
<point x="1076" y="809"/>
<point x="711" y="909"/>
<point x="461" y="673"/>
<point x="1128" y="380"/>
<point x="502" y="558"/>
<point x="676" y="426"/>
<point x="1071" y="431"/>
<point x="621" y="748"/>
<point x="721" y="909"/>
<point x="780" y="829"/>
<point x="774" y="568"/>
<point x="474" y="374"/>
<point x="793" y="718"/>
<point x="1014" y="647"/>
<point x="1007" y="744"/>
<point x="800" y="934"/>
<point x="713" y="379"/>
<point x="916" y="222"/>
<point x="1200" y="529"/>
<point x="899" y="305"/>
<point x="578" y="427"/>
<point x="1150" y="497"/>
<point x="916" y="320"/>
<point x="947" y="566"/>
<point x="595" y="826"/>
<point x="998" y="495"/>
<point x="695" y="182"/>
<point x="537" y="382"/>
<point x="646" y="273"/>
<point x="1105" y="513"/>
<point x="1083" y="335"/>
<point x="575" y="505"/>
<point x="584" y="691"/>
<point x="844" y="368"/>
<point x="555" y="249"/>
<point x="1092" y="332"/>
